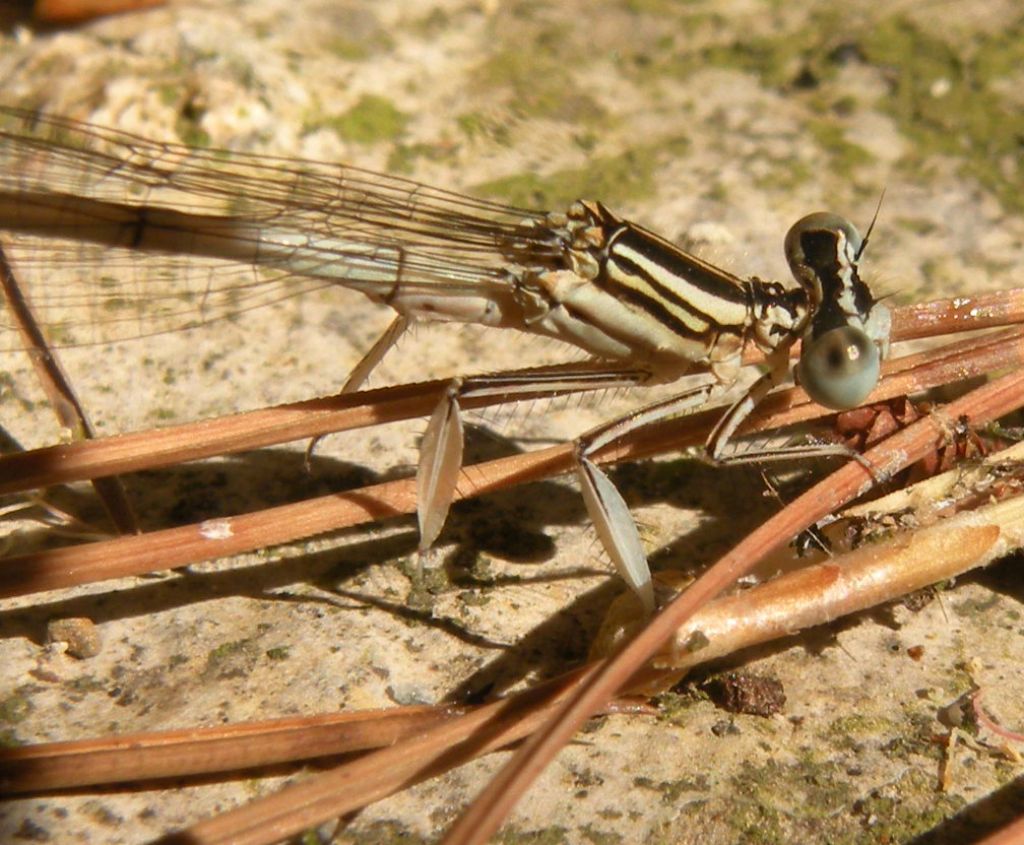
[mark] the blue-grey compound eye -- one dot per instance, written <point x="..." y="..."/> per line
<point x="839" y="368"/>
<point x="820" y="221"/>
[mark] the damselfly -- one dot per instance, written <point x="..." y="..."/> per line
<point x="644" y="310"/>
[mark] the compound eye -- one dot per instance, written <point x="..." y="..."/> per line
<point x="821" y="222"/>
<point x="839" y="368"/>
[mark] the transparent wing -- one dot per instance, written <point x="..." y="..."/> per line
<point x="245" y="230"/>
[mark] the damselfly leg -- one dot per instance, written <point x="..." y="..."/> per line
<point x="657" y="287"/>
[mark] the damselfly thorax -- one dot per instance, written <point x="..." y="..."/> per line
<point x="625" y="293"/>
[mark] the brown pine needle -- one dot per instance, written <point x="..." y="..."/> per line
<point x="65" y="12"/>
<point x="344" y="412"/>
<point x="70" y="412"/>
<point x="352" y="786"/>
<point x="859" y="580"/>
<point x="223" y="748"/>
<point x="436" y="751"/>
<point x="809" y="597"/>
<point x="1011" y="834"/>
<point x="495" y="802"/>
<point x="213" y="538"/>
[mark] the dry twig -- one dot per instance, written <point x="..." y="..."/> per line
<point x="494" y="725"/>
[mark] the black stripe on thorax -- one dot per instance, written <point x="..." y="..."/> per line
<point x="676" y="262"/>
<point x="650" y="305"/>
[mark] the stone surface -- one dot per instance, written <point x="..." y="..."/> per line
<point x="717" y="125"/>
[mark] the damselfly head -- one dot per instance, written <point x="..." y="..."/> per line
<point x="820" y="248"/>
<point x="847" y="332"/>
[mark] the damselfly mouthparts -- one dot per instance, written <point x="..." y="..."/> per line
<point x="643" y="309"/>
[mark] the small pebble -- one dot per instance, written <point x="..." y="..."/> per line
<point x="81" y="635"/>
<point x="744" y="692"/>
